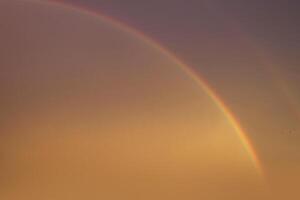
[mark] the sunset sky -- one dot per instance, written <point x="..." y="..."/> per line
<point x="160" y="99"/>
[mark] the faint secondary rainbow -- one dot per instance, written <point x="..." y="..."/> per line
<point x="196" y="77"/>
<point x="266" y="59"/>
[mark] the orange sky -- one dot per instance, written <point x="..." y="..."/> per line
<point x="92" y="110"/>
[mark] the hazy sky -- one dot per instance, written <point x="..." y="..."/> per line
<point x="272" y="24"/>
<point x="150" y="128"/>
<point x="247" y="49"/>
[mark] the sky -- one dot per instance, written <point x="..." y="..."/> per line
<point x="226" y="42"/>
<point x="248" y="51"/>
<point x="161" y="99"/>
<point x="272" y="23"/>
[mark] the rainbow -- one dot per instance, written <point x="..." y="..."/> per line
<point x="196" y="77"/>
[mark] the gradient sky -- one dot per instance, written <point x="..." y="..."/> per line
<point x="226" y="42"/>
<point x="273" y="24"/>
<point x="247" y="50"/>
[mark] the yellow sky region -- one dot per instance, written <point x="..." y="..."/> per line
<point x="90" y="111"/>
